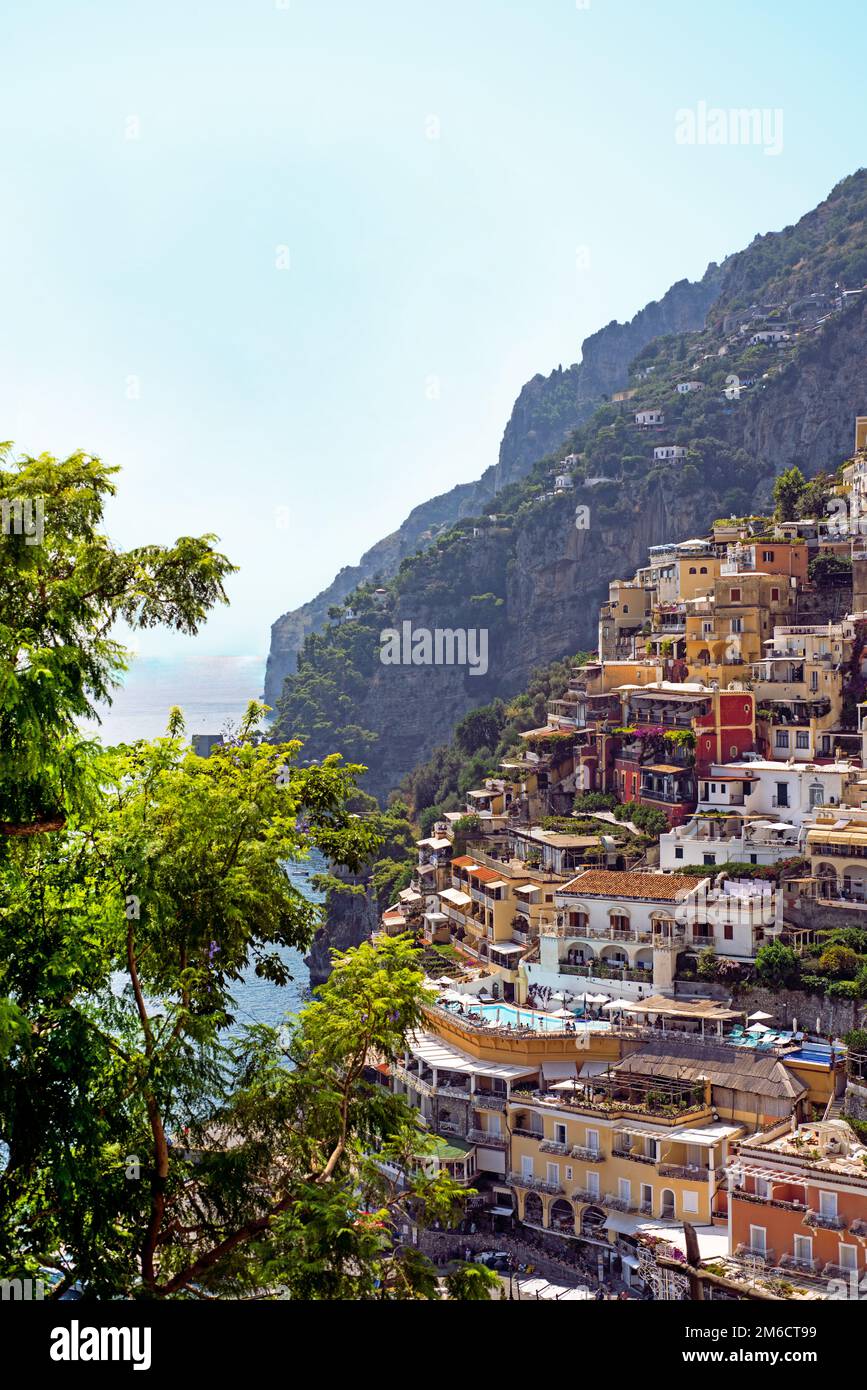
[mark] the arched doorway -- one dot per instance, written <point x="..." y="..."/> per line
<point x="533" y="1209"/>
<point x="593" y="1222"/>
<point x="666" y="1210"/>
<point x="561" y="1216"/>
<point x="827" y="885"/>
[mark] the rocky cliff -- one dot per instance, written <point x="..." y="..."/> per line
<point x="547" y="410"/>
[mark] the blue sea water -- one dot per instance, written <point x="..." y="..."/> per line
<point x="213" y="692"/>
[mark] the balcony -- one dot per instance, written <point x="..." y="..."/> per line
<point x="520" y="1133"/>
<point x="589" y="1155"/>
<point x="486" y="1140"/>
<point x="551" y="1146"/>
<point x="685" y="1170"/>
<point x="534" y="1184"/>
<point x="825" y="1223"/>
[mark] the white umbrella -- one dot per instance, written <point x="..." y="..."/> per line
<point x="585" y="998"/>
<point x="758" y="1028"/>
<point x="597" y="998"/>
<point x="758" y="1016"/>
<point x="562" y="1013"/>
<point x="570" y="1085"/>
<point x="561" y="997"/>
<point x="452" y="996"/>
<point x="617" y="1004"/>
<point x="445" y="980"/>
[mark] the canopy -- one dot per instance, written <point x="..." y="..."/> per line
<point x="758" y="1016"/>
<point x="758" y="1028"/>
<point x="558" y="1071"/>
<point x="452" y="895"/>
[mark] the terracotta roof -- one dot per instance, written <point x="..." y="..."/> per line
<point x="484" y="875"/>
<point x="607" y="883"/>
<point x="463" y="861"/>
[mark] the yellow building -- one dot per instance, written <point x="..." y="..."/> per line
<point x="622" y="1147"/>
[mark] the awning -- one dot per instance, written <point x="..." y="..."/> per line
<point x="507" y="948"/>
<point x="593" y="1068"/>
<point x="425" y="869"/>
<point x="458" y="899"/>
<point x="559" y="1071"/>
<point x="497" y="883"/>
<point x="528" y="888"/>
<point x="706" y="1137"/>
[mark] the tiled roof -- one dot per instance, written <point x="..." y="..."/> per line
<point x="607" y="883"/>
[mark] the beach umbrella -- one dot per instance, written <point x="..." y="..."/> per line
<point x="616" y="1004"/>
<point x="452" y="996"/>
<point x="445" y="980"/>
<point x="758" y="1017"/>
<point x="597" y="998"/>
<point x="585" y="998"/>
<point x="758" y="1028"/>
<point x="562" y="1013"/>
<point x="560" y="997"/>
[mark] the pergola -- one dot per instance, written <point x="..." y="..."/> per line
<point x="701" y="1011"/>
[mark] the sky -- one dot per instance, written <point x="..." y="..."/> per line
<point x="289" y="262"/>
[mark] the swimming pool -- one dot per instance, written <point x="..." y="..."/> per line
<point x="505" y="1014"/>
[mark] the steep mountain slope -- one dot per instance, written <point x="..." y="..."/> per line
<point x="546" y="411"/>
<point x="532" y="578"/>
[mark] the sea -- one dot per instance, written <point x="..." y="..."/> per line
<point x="212" y="692"/>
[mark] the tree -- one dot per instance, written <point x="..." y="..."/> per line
<point x="840" y="962"/>
<point x="151" y="1144"/>
<point x="789" y="488"/>
<point x="777" y="966"/>
<point x="62" y="589"/>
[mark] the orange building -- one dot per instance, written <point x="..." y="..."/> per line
<point x="798" y="1201"/>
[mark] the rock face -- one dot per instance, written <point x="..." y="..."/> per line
<point x="546" y="411"/>
<point x="551" y="577"/>
<point x="350" y="918"/>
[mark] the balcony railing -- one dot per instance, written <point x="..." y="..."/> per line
<point x="754" y="1252"/>
<point x="589" y="1155"/>
<point x="534" y="1184"/>
<point x="684" y="1170"/>
<point x="826" y="1223"/>
<point x="486" y="1140"/>
<point x="551" y="1146"/>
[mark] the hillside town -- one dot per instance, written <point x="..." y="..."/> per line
<point x="618" y="927"/>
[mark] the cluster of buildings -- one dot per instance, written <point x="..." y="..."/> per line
<point x="573" y="1070"/>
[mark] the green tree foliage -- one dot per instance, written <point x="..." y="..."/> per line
<point x="777" y="966"/>
<point x="789" y="489"/>
<point x="59" y="601"/>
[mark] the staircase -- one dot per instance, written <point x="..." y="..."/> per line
<point x="834" y="1108"/>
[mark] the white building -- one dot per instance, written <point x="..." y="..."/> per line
<point x="775" y="790"/>
<point x="649" y="417"/>
<point x="715" y="840"/>
<point x="666" y="452"/>
<point x="769" y="335"/>
<point x="684" y="388"/>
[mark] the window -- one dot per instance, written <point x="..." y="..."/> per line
<point x="782" y="796"/>
<point x="736" y="625"/>
<point x="624" y="1190"/>
<point x="782" y="738"/>
<point x="526" y="1165"/>
<point x="754" y="859"/>
<point x="690" y="1201"/>
<point x="553" y="1171"/>
<point x="703" y="569"/>
<point x="775" y="596"/>
<point x="728" y="931"/>
<point x="827" y="1204"/>
<point x="803" y="1248"/>
<point x="626" y="607"/>
<point x="767" y="555"/>
<point x="568" y="1174"/>
<point x="593" y="1140"/>
<point x="709" y="858"/>
<point x="593" y="1184"/>
<point x="762" y="1188"/>
<point x="802" y="738"/>
<point x="848" y="1256"/>
<point x="692" y="569"/>
<point x="559" y="1134"/>
<point x="678" y="853"/>
<point x="814" y="680"/>
<point x="646" y="1197"/>
<point x="758" y="1239"/>
<point x="735" y="596"/>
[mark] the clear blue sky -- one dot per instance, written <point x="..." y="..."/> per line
<point x="291" y="411"/>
